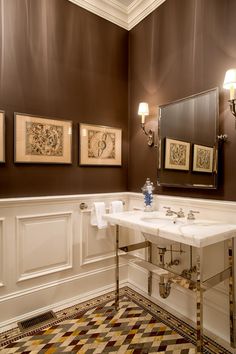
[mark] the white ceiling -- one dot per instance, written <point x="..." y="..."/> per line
<point x="124" y="13"/>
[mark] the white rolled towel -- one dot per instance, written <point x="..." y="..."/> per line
<point x="116" y="206"/>
<point x="98" y="210"/>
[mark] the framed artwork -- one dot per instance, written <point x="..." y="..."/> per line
<point x="100" y="145"/>
<point x="203" y="158"/>
<point x="2" y="136"/>
<point x="42" y="140"/>
<point x="177" y="154"/>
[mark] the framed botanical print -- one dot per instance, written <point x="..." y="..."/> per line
<point x="100" y="145"/>
<point x="2" y="136"/>
<point x="203" y="158"/>
<point x="177" y="154"/>
<point x="42" y="140"/>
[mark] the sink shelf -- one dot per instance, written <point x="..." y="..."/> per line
<point x="174" y="278"/>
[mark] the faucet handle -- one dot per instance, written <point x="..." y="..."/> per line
<point x="180" y="213"/>
<point x="169" y="212"/>
<point x="191" y="215"/>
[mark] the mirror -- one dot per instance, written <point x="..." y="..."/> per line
<point x="188" y="141"/>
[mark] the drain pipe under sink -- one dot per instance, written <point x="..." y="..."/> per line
<point x="164" y="288"/>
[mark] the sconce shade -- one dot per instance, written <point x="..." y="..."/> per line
<point x="143" y="109"/>
<point x="230" y="79"/>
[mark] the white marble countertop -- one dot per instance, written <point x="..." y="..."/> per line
<point x="197" y="233"/>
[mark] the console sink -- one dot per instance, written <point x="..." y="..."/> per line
<point x="156" y="227"/>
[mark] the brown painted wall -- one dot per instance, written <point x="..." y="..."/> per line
<point x="58" y="60"/>
<point x="183" y="47"/>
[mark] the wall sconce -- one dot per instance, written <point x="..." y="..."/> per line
<point x="230" y="84"/>
<point x="143" y="111"/>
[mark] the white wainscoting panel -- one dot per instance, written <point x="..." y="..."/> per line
<point x="44" y="244"/>
<point x="2" y="253"/>
<point x="95" y="244"/>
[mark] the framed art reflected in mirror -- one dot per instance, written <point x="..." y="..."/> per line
<point x="203" y="158"/>
<point x="177" y="154"/>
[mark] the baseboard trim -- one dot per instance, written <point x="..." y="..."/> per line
<point x="7" y="325"/>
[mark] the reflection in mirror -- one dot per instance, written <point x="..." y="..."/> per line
<point x="188" y="141"/>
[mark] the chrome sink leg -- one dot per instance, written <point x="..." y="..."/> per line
<point x="150" y="273"/>
<point x="199" y="304"/>
<point x="117" y="269"/>
<point x="231" y="292"/>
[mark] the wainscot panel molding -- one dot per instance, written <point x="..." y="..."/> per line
<point x="2" y="251"/>
<point x="50" y="253"/>
<point x="93" y="242"/>
<point x="34" y="234"/>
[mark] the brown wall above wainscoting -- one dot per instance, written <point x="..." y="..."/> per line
<point x="61" y="61"/>
<point x="182" y="48"/>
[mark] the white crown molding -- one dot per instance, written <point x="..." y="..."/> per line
<point x="124" y="16"/>
<point x="139" y="9"/>
<point x="111" y="10"/>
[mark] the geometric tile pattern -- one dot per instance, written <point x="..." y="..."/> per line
<point x="139" y="326"/>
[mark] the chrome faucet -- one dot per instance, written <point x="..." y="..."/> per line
<point x="170" y="212"/>
<point x="191" y="215"/>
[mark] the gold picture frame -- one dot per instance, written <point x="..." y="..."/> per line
<point x="42" y="140"/>
<point x="100" y="145"/>
<point x="2" y="136"/>
<point x="203" y="158"/>
<point x="177" y="154"/>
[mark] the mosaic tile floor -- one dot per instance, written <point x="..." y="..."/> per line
<point x="95" y="326"/>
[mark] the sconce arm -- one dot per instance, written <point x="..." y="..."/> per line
<point x="233" y="106"/>
<point x="149" y="133"/>
<point x="143" y="127"/>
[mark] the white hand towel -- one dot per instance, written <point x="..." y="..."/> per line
<point x="116" y="206"/>
<point x="98" y="210"/>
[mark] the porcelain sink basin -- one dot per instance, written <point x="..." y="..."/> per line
<point x="162" y="220"/>
<point x="156" y="227"/>
<point x="183" y="222"/>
